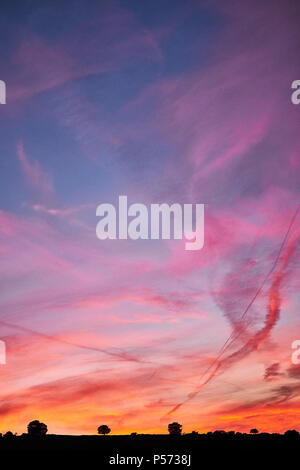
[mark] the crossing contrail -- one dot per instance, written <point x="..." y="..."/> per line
<point x="271" y="319"/>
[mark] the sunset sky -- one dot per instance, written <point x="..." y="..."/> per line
<point x="163" y="101"/>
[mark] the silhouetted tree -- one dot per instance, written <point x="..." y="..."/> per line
<point x="103" y="429"/>
<point x="254" y="431"/>
<point x="37" y="429"/>
<point x="9" y="435"/>
<point x="219" y="433"/>
<point x="175" y="429"/>
<point x="291" y="433"/>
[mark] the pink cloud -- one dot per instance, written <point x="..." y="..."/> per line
<point x="38" y="180"/>
<point x="111" y="40"/>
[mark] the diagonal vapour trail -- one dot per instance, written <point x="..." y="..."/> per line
<point x="271" y="318"/>
<point x="120" y="355"/>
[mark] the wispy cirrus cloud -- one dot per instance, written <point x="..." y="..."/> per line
<point x="40" y="182"/>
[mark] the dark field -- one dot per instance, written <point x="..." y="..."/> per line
<point x="201" y="450"/>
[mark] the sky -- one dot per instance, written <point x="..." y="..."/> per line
<point x="165" y="102"/>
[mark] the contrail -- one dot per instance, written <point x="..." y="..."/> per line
<point x="272" y="316"/>
<point x="120" y="355"/>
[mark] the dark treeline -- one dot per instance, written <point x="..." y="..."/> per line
<point x="220" y="447"/>
<point x="237" y="450"/>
